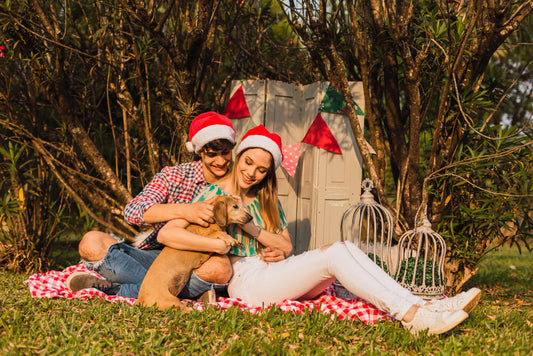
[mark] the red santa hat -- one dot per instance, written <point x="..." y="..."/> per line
<point x="208" y="127"/>
<point x="260" y="137"/>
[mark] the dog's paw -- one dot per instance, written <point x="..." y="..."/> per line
<point x="230" y="241"/>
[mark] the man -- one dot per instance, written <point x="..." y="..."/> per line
<point x="166" y="197"/>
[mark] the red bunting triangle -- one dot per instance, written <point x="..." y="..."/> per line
<point x="236" y="107"/>
<point x="319" y="135"/>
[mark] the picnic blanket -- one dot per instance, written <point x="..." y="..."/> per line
<point x="52" y="285"/>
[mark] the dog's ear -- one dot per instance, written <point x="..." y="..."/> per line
<point x="221" y="213"/>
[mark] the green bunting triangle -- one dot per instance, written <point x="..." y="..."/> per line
<point x="333" y="102"/>
<point x="358" y="110"/>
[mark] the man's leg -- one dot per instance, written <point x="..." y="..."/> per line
<point x="116" y="261"/>
<point x="127" y="265"/>
<point x="217" y="269"/>
<point x="210" y="277"/>
<point x="94" y="245"/>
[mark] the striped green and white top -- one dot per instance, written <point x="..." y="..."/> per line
<point x="248" y="246"/>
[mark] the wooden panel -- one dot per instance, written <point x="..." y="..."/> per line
<point x="283" y="117"/>
<point x="306" y="209"/>
<point x="337" y="179"/>
<point x="330" y="231"/>
<point x="308" y="168"/>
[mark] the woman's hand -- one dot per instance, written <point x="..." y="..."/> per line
<point x="272" y="255"/>
<point x="280" y="241"/>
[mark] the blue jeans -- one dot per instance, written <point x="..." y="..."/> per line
<point x="127" y="265"/>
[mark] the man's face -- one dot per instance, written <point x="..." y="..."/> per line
<point x="215" y="163"/>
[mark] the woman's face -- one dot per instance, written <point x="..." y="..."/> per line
<point x="252" y="167"/>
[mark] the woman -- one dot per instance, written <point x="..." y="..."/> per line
<point x="305" y="276"/>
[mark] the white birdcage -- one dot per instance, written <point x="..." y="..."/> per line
<point x="421" y="261"/>
<point x="369" y="225"/>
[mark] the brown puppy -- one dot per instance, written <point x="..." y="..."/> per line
<point x="172" y="268"/>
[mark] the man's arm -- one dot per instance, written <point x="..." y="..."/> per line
<point x="150" y="206"/>
<point x="155" y="192"/>
<point x="200" y="213"/>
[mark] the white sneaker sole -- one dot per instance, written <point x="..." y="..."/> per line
<point x="69" y="280"/>
<point x="460" y="316"/>
<point x="473" y="301"/>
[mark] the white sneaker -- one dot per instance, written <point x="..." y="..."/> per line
<point x="434" y="322"/>
<point x="463" y="301"/>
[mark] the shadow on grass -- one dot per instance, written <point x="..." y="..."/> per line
<point x="64" y="253"/>
<point x="505" y="273"/>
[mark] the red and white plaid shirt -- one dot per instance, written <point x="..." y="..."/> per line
<point x="176" y="184"/>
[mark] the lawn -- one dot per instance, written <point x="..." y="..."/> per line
<point x="501" y="324"/>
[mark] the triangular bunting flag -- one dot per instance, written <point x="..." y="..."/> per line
<point x="370" y="148"/>
<point x="358" y="110"/>
<point x="319" y="135"/>
<point x="236" y="107"/>
<point x="291" y="156"/>
<point x="333" y="102"/>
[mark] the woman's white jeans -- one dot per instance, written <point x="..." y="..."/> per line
<point x="307" y="275"/>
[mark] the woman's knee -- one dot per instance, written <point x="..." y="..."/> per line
<point x="325" y="247"/>
<point x="338" y="243"/>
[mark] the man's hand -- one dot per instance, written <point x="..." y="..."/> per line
<point x="200" y="213"/>
<point x="272" y="255"/>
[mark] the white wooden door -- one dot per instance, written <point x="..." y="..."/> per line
<point x="283" y="116"/>
<point x="340" y="183"/>
<point x="307" y="208"/>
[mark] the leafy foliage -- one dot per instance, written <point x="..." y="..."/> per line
<point x="430" y="100"/>
<point x="489" y="199"/>
<point x="102" y="93"/>
<point x="33" y="212"/>
<point x="419" y="273"/>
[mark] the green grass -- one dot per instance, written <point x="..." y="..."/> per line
<point x="501" y="324"/>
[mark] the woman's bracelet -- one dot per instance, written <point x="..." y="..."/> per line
<point x="256" y="235"/>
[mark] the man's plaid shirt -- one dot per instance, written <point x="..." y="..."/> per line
<point x="176" y="184"/>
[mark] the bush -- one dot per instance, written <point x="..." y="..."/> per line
<point x="34" y="211"/>
<point x="421" y="270"/>
<point x="378" y="261"/>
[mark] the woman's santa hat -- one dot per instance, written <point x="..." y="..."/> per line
<point x="260" y="137"/>
<point x="208" y="127"/>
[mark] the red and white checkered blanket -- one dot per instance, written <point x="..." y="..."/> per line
<point x="52" y="285"/>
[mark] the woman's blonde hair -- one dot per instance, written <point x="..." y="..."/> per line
<point x="266" y="192"/>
